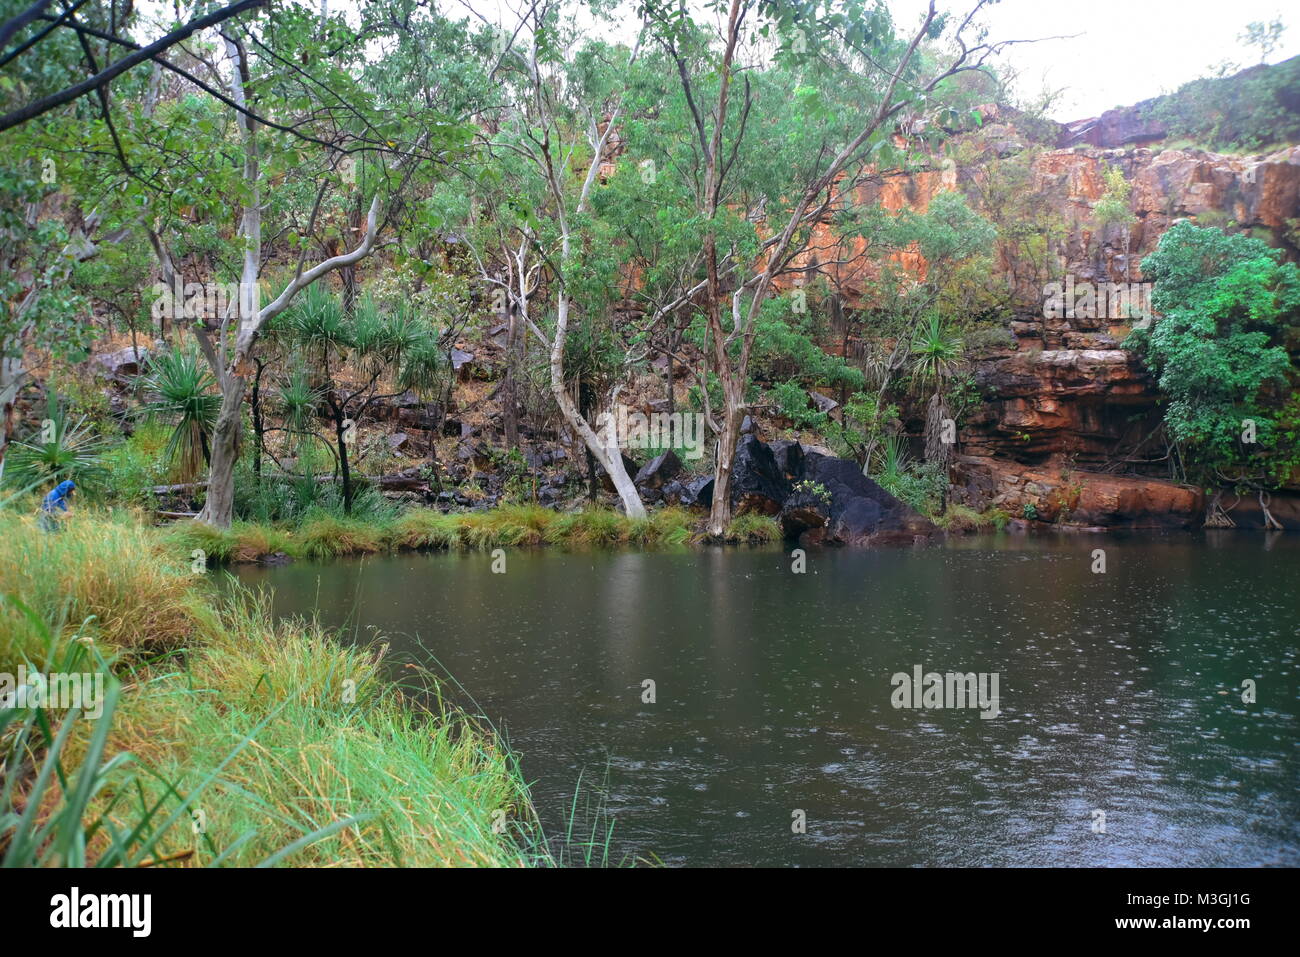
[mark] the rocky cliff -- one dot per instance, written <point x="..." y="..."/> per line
<point x="1067" y="429"/>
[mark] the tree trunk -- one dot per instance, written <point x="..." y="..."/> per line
<point x="340" y="433"/>
<point x="510" y="388"/>
<point x="728" y="439"/>
<point x="259" y="429"/>
<point x="219" y="508"/>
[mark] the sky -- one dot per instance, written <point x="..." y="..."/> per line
<point x="1123" y="51"/>
<point x="1111" y="52"/>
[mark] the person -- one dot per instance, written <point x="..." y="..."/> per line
<point x="56" y="501"/>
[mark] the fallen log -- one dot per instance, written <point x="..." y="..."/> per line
<point x="394" y="481"/>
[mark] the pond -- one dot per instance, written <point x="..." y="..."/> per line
<point x="1120" y="737"/>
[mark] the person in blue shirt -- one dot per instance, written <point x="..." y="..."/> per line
<point x="57" y="501"/>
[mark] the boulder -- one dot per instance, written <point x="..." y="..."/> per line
<point x="803" y="512"/>
<point x="824" y="403"/>
<point x="757" y="485"/>
<point x="697" y="493"/>
<point x="789" y="457"/>
<point x="123" y="365"/>
<point x="658" y="471"/>
<point x="860" y="511"/>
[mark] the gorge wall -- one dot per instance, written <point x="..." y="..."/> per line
<point x="1067" y="427"/>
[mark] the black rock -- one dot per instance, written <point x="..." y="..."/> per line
<point x="697" y="492"/>
<point x="861" y="512"/>
<point x="788" y="455"/>
<point x="757" y="484"/>
<point x="659" y="470"/>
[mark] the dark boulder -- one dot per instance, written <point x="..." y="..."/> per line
<point x="802" y="512"/>
<point x="788" y="455"/>
<point x="861" y="512"/>
<point x="697" y="492"/>
<point x="659" y="470"/>
<point x="757" y="484"/>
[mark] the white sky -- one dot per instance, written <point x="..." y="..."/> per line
<point x="1115" y="52"/>
<point x="1128" y="50"/>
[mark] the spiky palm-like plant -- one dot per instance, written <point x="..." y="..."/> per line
<point x="184" y="393"/>
<point x="60" y="449"/>
<point x="935" y="355"/>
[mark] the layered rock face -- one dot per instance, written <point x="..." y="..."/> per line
<point x="1065" y="431"/>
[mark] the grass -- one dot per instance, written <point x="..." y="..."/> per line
<point x="325" y="535"/>
<point x="229" y="738"/>
<point x="753" y="529"/>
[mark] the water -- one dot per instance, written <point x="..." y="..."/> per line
<point x="773" y="693"/>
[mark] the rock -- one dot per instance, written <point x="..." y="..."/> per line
<point x="461" y="363"/>
<point x="789" y="457"/>
<point x="423" y="416"/>
<point x="672" y="492"/>
<point x="659" y="470"/>
<point x="757" y="485"/>
<point x="123" y="364"/>
<point x="824" y="403"/>
<point x="802" y="512"/>
<point x="748" y="426"/>
<point x="860" y="511"/>
<point x="1130" y="124"/>
<point x="697" y="493"/>
<point x="1077" y="497"/>
<point x="398" y="441"/>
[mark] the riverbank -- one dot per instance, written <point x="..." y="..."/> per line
<point x="235" y="738"/>
<point x="328" y="535"/>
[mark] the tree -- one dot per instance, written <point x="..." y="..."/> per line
<point x="561" y="109"/>
<point x="892" y="74"/>
<point x="393" y="346"/>
<point x="38" y="309"/>
<point x="393" y="144"/>
<point x="1225" y="307"/>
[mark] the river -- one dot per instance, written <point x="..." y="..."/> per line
<point x="1121" y="738"/>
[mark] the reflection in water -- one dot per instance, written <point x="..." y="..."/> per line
<point x="1120" y="692"/>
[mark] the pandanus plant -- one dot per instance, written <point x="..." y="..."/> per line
<point x="184" y="393"/>
<point x="61" y="448"/>
<point x="935" y="355"/>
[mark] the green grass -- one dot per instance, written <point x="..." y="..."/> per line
<point x="289" y="746"/>
<point x="325" y="535"/>
<point x="753" y="529"/>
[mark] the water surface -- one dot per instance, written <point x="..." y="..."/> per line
<point x="773" y="693"/>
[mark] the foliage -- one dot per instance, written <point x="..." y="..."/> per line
<point x="183" y="389"/>
<point x="1226" y="307"/>
<point x="59" y="449"/>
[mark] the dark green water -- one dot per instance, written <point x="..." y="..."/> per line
<point x="773" y="693"/>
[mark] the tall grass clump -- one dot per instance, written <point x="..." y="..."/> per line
<point x="753" y="529"/>
<point x="139" y="595"/>
<point x="288" y="746"/>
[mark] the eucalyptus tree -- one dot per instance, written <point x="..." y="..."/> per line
<point x="332" y="137"/>
<point x="835" y="48"/>
<point x="527" y="222"/>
